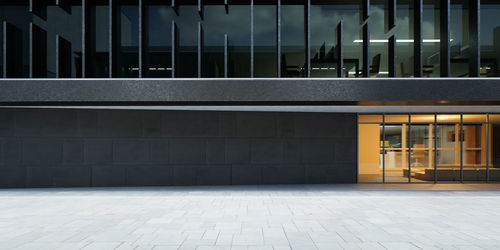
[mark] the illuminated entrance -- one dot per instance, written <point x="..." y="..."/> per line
<point x="423" y="148"/>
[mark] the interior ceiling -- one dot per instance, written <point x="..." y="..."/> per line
<point x="327" y="109"/>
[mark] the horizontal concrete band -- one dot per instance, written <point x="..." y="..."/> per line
<point x="254" y="91"/>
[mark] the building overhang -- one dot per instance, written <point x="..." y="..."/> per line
<point x="266" y="93"/>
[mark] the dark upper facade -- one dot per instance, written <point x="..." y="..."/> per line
<point x="249" y="38"/>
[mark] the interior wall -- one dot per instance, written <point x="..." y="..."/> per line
<point x="369" y="148"/>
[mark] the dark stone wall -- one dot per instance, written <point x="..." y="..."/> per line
<point x="80" y="148"/>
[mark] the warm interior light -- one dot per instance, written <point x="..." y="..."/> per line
<point x="443" y="117"/>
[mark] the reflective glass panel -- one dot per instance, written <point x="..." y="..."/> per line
<point x="379" y="46"/>
<point x="353" y="42"/>
<point x="187" y="23"/>
<point x="128" y="50"/>
<point x="237" y="25"/>
<point x="325" y="17"/>
<point x="62" y="54"/>
<point x="158" y="61"/>
<point x="16" y="18"/>
<point x="213" y="41"/>
<point x="404" y="38"/>
<point x="97" y="39"/>
<point x="459" y="38"/>
<point x="490" y="38"/>
<point x="293" y="38"/>
<point x="265" y="42"/>
<point x="431" y="30"/>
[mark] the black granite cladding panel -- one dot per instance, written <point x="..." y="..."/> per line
<point x="81" y="148"/>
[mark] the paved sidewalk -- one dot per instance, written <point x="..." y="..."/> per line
<point x="266" y="217"/>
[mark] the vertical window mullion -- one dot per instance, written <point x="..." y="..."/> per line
<point x="383" y="148"/>
<point x="340" y="49"/>
<point x="461" y="138"/>
<point x="409" y="148"/>
<point x="435" y="149"/>
<point x="445" y="38"/>
<point x="278" y="34"/>
<point x="488" y="148"/>
<point x="308" y="39"/>
<point x="252" y="59"/>
<point x="418" y="38"/>
<point x="474" y="38"/>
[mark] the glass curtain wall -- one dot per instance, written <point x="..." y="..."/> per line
<point x="494" y="147"/>
<point x="127" y="58"/>
<point x="57" y="41"/>
<point x="187" y="24"/>
<point x="158" y="27"/>
<point x="396" y="148"/>
<point x="353" y="41"/>
<point x="97" y="39"/>
<point x="233" y="22"/>
<point x="426" y="148"/>
<point x="325" y="18"/>
<point x="265" y="38"/>
<point x="293" y="38"/>
<point x="213" y="40"/>
<point x="431" y="30"/>
<point x="237" y="25"/>
<point x="379" y="46"/>
<point x="14" y="16"/>
<point x="404" y="38"/>
<point x="459" y="38"/>
<point x="490" y="38"/>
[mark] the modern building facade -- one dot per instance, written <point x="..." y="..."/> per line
<point x="234" y="92"/>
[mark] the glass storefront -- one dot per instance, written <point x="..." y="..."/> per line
<point x="420" y="148"/>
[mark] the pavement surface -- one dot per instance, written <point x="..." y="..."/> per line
<point x="405" y="216"/>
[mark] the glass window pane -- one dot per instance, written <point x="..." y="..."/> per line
<point x="370" y="118"/>
<point x="422" y="152"/>
<point x="422" y="118"/>
<point x="238" y="30"/>
<point x="459" y="38"/>
<point x="490" y="38"/>
<point x="67" y="24"/>
<point x="396" y="118"/>
<point x="494" y="155"/>
<point x="236" y="25"/>
<point x="379" y="46"/>
<point x="158" y="61"/>
<point x="431" y="30"/>
<point x="445" y="118"/>
<point x="404" y="38"/>
<point x="474" y="152"/>
<point x="265" y="33"/>
<point x="293" y="37"/>
<point x="370" y="167"/>
<point x="187" y="23"/>
<point x="475" y="118"/>
<point x="325" y="17"/>
<point x="396" y="154"/>
<point x="353" y="42"/>
<point x="97" y="60"/>
<point x="213" y="41"/>
<point x="127" y="59"/>
<point x="17" y="18"/>
<point x="448" y="155"/>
